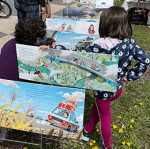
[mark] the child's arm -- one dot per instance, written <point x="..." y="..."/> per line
<point x="44" y="47"/>
<point x="143" y="61"/>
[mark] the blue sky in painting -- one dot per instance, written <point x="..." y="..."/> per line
<point x="46" y="97"/>
<point x="69" y="40"/>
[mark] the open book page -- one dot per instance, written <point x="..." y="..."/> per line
<point x="70" y="68"/>
<point x="50" y="110"/>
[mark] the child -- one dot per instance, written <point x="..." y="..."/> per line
<point x="50" y="42"/>
<point x="115" y="32"/>
<point x="69" y="29"/>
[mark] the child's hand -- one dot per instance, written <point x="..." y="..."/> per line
<point x="43" y="47"/>
<point x="124" y="79"/>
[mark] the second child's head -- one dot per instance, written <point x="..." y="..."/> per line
<point x="50" y="42"/>
<point x="114" y="23"/>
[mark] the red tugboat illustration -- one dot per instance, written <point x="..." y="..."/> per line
<point x="64" y="115"/>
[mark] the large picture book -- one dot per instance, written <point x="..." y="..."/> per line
<point x="73" y="26"/>
<point x="50" y="110"/>
<point x="73" y="41"/>
<point x="83" y="12"/>
<point x="68" y="68"/>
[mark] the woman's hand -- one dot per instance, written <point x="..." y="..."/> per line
<point x="43" y="10"/>
<point x="124" y="79"/>
<point x="43" y="47"/>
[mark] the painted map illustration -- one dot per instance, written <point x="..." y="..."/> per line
<point x="54" y="111"/>
<point x="68" y="68"/>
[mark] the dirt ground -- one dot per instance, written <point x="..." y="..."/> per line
<point x="29" y="137"/>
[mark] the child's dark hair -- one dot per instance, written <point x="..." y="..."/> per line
<point x="49" y="41"/>
<point x="28" y="30"/>
<point x="114" y="23"/>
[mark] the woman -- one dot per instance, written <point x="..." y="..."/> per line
<point x="91" y="29"/>
<point x="28" y="31"/>
<point x="29" y="8"/>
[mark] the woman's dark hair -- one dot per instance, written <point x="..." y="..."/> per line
<point x="49" y="41"/>
<point x="28" y="30"/>
<point x="114" y="23"/>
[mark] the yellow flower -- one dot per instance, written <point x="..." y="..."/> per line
<point x="140" y="25"/>
<point x="130" y="126"/>
<point x="94" y="141"/>
<point x="120" y="130"/>
<point x="91" y="143"/>
<point x="118" y="116"/>
<point x="128" y="143"/>
<point x="97" y="130"/>
<point x="123" y="143"/>
<point x="114" y="126"/>
<point x="132" y="120"/>
<point x="141" y="103"/>
<point x="91" y="95"/>
<point x="135" y="106"/>
<point x="147" y="39"/>
<point x="25" y="148"/>
<point x="92" y="104"/>
<point x="95" y="147"/>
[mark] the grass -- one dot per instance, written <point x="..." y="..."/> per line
<point x="134" y="104"/>
<point x="118" y="2"/>
<point x="130" y="106"/>
<point x="141" y="33"/>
